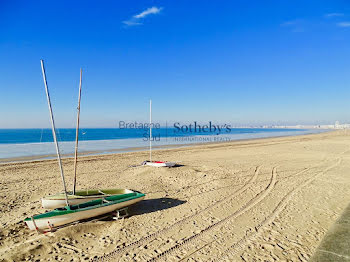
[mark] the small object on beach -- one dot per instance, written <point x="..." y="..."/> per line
<point x="158" y="163"/>
<point x="150" y="162"/>
<point x="121" y="213"/>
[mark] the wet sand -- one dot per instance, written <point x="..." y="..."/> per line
<point x="261" y="200"/>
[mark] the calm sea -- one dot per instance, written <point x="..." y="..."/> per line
<point x="17" y="143"/>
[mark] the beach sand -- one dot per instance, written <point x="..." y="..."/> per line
<point x="260" y="200"/>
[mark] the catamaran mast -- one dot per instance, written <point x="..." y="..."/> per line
<point x="54" y="131"/>
<point x="77" y="135"/>
<point x="150" y="130"/>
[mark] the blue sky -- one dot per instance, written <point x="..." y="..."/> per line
<point x="242" y="62"/>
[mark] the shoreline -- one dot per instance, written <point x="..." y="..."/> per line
<point x="44" y="157"/>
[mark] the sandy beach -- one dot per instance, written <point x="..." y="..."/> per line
<point x="260" y="200"/>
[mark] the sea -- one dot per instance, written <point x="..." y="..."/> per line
<point x="32" y="144"/>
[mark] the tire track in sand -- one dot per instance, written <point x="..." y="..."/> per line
<point x="208" y="244"/>
<point x="154" y="235"/>
<point x="233" y="249"/>
<point x="193" y="239"/>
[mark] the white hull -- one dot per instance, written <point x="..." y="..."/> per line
<point x="56" y="221"/>
<point x="57" y="201"/>
<point x="160" y="164"/>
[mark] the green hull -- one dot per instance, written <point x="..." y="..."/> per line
<point x="68" y="214"/>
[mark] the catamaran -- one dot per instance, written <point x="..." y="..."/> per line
<point x="76" y="212"/>
<point x="150" y="162"/>
<point x="68" y="214"/>
<point x="80" y="196"/>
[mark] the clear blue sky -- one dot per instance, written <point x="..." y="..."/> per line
<point x="243" y="62"/>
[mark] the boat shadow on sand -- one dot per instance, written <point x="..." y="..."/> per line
<point x="178" y="165"/>
<point x="153" y="205"/>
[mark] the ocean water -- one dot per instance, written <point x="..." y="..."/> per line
<point x="38" y="143"/>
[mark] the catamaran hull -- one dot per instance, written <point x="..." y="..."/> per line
<point x="48" y="223"/>
<point x="160" y="164"/>
<point x="57" y="201"/>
